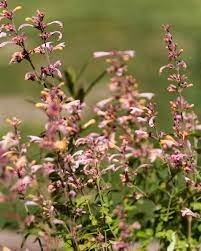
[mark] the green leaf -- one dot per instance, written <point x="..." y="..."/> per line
<point x="80" y="94"/>
<point x="93" y="83"/>
<point x="196" y="206"/>
<point x="108" y="219"/>
<point x="82" y="200"/>
<point x="83" y="69"/>
<point x="93" y="220"/>
<point x="70" y="81"/>
<point x="199" y="228"/>
<point x="172" y="245"/>
<point x="104" y="210"/>
<point x="198" y="150"/>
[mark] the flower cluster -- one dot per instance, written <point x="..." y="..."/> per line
<point x="126" y="117"/>
<point x="15" y="36"/>
<point x="181" y="150"/>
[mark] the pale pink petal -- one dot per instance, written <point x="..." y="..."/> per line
<point x="58" y="33"/>
<point x="136" y="111"/>
<point x="24" y="25"/>
<point x="35" y="139"/>
<point x="30" y="203"/>
<point x="46" y="45"/>
<point x="3" y="34"/>
<point x="129" y="53"/>
<point x="147" y="95"/>
<point x="59" y="73"/>
<point x="104" y="102"/>
<point x="60" y="46"/>
<point x="188" y="212"/>
<point x="56" y="22"/>
<point x="100" y="54"/>
<point x="35" y="168"/>
<point x="58" y="222"/>
<point x="6" y="43"/>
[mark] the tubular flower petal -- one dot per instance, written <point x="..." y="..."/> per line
<point x="56" y="22"/>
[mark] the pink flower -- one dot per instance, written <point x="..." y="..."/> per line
<point x="19" y="39"/>
<point x="3" y="4"/>
<point x="104" y="102"/>
<point x="9" y="140"/>
<point x="35" y="139"/>
<point x="141" y="134"/>
<point x="29" y="220"/>
<point x="51" y="69"/>
<point x="17" y="57"/>
<point x="100" y="54"/>
<point x="176" y="159"/>
<point x="188" y="212"/>
<point x="9" y="27"/>
<point x="154" y="154"/>
<point x="8" y="14"/>
<point x="58" y="222"/>
<point x="35" y="168"/>
<point x="72" y="194"/>
<point x="74" y="107"/>
<point x="136" y="111"/>
<point x="6" y="43"/>
<point x="3" y="34"/>
<point x="22" y="184"/>
<point x="3" y="155"/>
<point x="125" y="54"/>
<point x="120" y="245"/>
<point x="30" y="76"/>
<point x="48" y="47"/>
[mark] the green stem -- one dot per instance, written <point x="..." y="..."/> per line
<point x="99" y="190"/>
<point x="189" y="219"/>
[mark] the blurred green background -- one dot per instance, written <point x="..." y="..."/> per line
<point x="96" y="25"/>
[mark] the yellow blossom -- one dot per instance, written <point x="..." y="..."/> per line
<point x="9" y="168"/>
<point x="40" y="105"/>
<point x="142" y="102"/>
<point x="61" y="145"/>
<point x="168" y="141"/>
<point x="17" y="8"/>
<point x="28" y="19"/>
<point x="113" y="146"/>
<point x="89" y="123"/>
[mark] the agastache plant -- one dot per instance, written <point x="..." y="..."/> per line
<point x="185" y="121"/>
<point x="115" y="182"/>
<point x="125" y="117"/>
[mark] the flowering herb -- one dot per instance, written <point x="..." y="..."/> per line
<point x="121" y="182"/>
